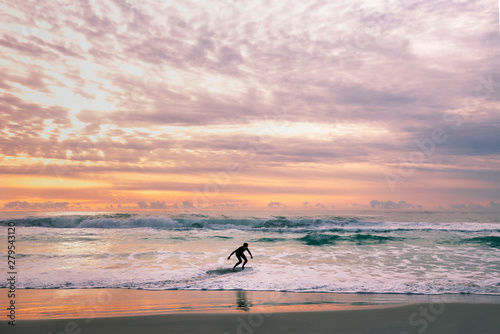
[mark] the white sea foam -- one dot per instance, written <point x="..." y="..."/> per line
<point x="290" y="254"/>
<point x="125" y="221"/>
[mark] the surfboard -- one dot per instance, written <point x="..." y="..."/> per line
<point x="223" y="271"/>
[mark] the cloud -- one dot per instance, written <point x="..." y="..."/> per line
<point x="472" y="206"/>
<point x="474" y="140"/>
<point x="392" y="205"/>
<point x="158" y="205"/>
<point x="187" y="205"/>
<point x="142" y="205"/>
<point x="24" y="205"/>
<point x="174" y="89"/>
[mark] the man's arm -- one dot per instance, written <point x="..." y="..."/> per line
<point x="229" y="257"/>
<point x="250" y="253"/>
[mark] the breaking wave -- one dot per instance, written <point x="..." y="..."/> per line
<point x="319" y="239"/>
<point x="276" y="223"/>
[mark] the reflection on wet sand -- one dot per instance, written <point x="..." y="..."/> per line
<point x="242" y="302"/>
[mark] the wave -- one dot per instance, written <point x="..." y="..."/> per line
<point x="363" y="239"/>
<point x="491" y="241"/>
<point x="283" y="222"/>
<point x="320" y="239"/>
<point x="277" y="223"/>
<point x="161" y="222"/>
<point x="269" y="240"/>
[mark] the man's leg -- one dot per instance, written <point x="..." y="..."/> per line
<point x="239" y="261"/>
<point x="244" y="258"/>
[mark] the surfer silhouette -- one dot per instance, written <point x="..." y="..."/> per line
<point x="240" y="255"/>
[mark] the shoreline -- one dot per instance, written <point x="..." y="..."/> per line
<point x="128" y="311"/>
<point x="447" y="318"/>
<point x="37" y="304"/>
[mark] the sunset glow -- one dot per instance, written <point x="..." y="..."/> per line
<point x="321" y="104"/>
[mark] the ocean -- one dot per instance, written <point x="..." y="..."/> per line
<point x="415" y="252"/>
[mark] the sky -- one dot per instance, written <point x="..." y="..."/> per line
<point x="310" y="103"/>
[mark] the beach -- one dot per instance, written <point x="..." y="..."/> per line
<point x="458" y="318"/>
<point x="133" y="311"/>
<point x="362" y="272"/>
<point x="229" y="166"/>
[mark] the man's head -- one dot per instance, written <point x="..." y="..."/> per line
<point x="245" y="245"/>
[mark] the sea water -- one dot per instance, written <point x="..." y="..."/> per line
<point x="348" y="252"/>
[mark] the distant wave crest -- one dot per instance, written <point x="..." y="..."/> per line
<point x="491" y="241"/>
<point x="129" y="223"/>
<point x="369" y="231"/>
<point x="320" y="239"/>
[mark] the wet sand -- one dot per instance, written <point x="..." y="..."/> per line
<point x="132" y="311"/>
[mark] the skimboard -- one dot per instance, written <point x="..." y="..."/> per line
<point x="223" y="271"/>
